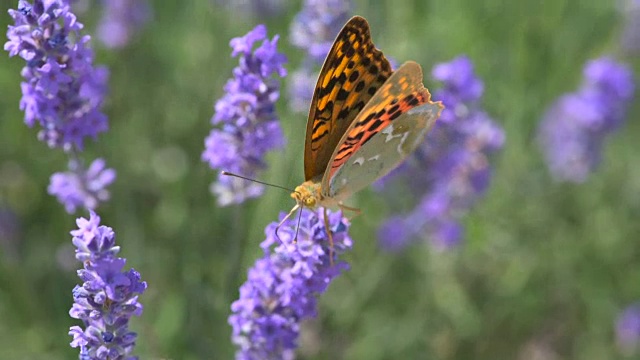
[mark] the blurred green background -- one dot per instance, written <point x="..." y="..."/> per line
<point x="545" y="268"/>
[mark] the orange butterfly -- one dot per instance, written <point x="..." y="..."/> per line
<point x="365" y="119"/>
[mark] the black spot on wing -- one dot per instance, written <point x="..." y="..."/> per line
<point x="414" y="102"/>
<point x="375" y="125"/>
<point x="393" y="109"/>
<point x="354" y="76"/>
<point x="344" y="113"/>
<point x="342" y="95"/>
<point x="394" y="115"/>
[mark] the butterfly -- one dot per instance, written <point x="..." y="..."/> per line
<point x="364" y="120"/>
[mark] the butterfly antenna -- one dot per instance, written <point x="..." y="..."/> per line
<point x="255" y="181"/>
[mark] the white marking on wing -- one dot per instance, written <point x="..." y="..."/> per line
<point x="358" y="161"/>
<point x="389" y="132"/>
<point x="421" y="109"/>
<point x="390" y="136"/>
<point x="404" y="138"/>
<point x="373" y="158"/>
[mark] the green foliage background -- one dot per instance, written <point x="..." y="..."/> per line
<point x="545" y="269"/>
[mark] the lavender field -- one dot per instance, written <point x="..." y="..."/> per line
<point x="512" y="232"/>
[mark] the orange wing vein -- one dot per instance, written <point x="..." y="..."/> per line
<point x="352" y="73"/>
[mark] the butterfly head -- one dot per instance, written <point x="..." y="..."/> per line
<point x="307" y="195"/>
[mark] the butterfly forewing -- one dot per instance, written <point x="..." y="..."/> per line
<point x="391" y="125"/>
<point x="352" y="73"/>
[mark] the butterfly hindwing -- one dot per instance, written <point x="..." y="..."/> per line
<point x="352" y="73"/>
<point x="391" y="125"/>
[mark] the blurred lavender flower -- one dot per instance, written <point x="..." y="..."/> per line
<point x="62" y="89"/>
<point x="301" y="85"/>
<point x="120" y="20"/>
<point x="451" y="169"/>
<point x="107" y="299"/>
<point x="315" y="27"/>
<point x="628" y="329"/>
<point x="10" y="234"/>
<point x="283" y="285"/>
<point x="262" y="8"/>
<point x="82" y="187"/>
<point x="313" y="30"/>
<point x="631" y="30"/>
<point x="249" y="125"/>
<point x="573" y="130"/>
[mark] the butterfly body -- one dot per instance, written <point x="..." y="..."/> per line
<point x="309" y="194"/>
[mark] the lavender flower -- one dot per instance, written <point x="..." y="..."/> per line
<point x="573" y="130"/>
<point x="82" y="187"/>
<point x="62" y="91"/>
<point x="120" y="20"/>
<point x="313" y="30"/>
<point x="451" y="169"/>
<point x="628" y="329"/>
<point x="283" y="285"/>
<point x="108" y="297"/>
<point x="248" y="124"/>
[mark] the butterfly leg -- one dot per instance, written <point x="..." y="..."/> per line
<point x="285" y="219"/>
<point x="328" y="229"/>
<point x="344" y="207"/>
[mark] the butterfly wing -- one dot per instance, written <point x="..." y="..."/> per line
<point x="391" y="126"/>
<point x="352" y="73"/>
